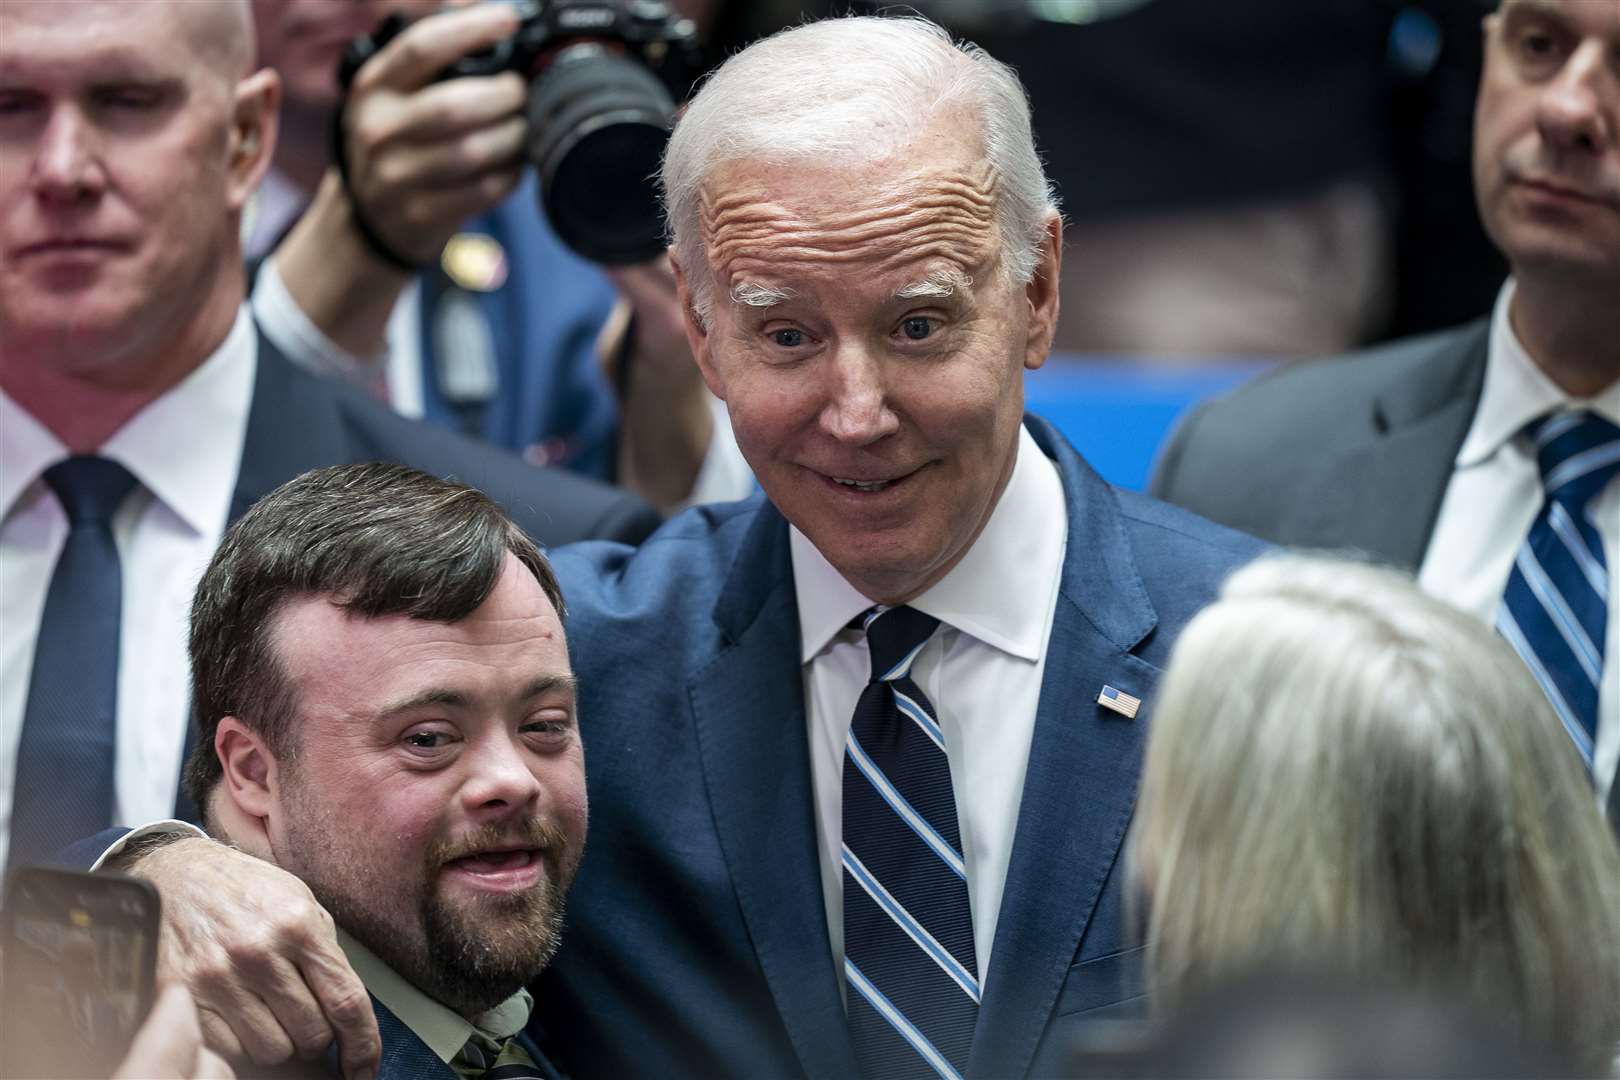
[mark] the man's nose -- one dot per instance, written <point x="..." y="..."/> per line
<point x="857" y="409"/>
<point x="498" y="775"/>
<point x="67" y="167"/>
<point x="1579" y="108"/>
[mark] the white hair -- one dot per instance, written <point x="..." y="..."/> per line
<point x="848" y="90"/>
<point x="1345" y="771"/>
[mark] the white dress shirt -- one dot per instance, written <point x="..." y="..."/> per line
<point x="1494" y="495"/>
<point x="166" y="531"/>
<point x="981" y="671"/>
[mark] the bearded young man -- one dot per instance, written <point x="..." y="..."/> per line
<point x="386" y="711"/>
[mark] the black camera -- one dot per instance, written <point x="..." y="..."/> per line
<point x="604" y="76"/>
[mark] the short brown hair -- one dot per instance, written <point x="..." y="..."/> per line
<point x="379" y="540"/>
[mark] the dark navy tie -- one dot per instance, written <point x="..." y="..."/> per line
<point x="913" y="985"/>
<point x="64" y="779"/>
<point x="1555" y="609"/>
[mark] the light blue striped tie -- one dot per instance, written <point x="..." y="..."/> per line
<point x="913" y="997"/>
<point x="1555" y="609"/>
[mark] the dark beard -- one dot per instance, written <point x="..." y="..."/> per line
<point x="473" y="968"/>
<point x="478" y="957"/>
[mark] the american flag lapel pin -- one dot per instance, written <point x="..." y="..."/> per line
<point x="1119" y="702"/>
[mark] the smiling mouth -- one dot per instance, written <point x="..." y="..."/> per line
<point x="494" y="862"/>
<point x="864" y="485"/>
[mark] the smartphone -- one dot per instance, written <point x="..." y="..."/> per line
<point x="80" y="960"/>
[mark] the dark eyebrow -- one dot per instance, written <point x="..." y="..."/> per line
<point x="455" y="699"/>
<point x="545" y="684"/>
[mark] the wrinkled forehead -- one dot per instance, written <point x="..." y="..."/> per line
<point x="773" y="224"/>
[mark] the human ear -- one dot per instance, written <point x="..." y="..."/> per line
<point x="249" y="784"/>
<point x="255" y="111"/>
<point x="697" y="334"/>
<point x="1042" y="295"/>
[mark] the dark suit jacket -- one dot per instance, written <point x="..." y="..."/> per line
<point x="300" y="421"/>
<point x="697" y="938"/>
<point x="1353" y="452"/>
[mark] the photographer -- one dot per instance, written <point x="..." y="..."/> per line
<point x="501" y="332"/>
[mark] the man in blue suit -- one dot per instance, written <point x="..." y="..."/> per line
<point x="864" y="748"/>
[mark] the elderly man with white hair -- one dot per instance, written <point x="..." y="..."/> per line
<point x="863" y="749"/>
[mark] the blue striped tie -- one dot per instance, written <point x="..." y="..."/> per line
<point x="913" y="994"/>
<point x="1556" y="606"/>
<point x="64" y="787"/>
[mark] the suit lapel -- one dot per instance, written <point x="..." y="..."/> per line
<point x="1083" y="767"/>
<point x="1383" y="496"/>
<point x="291" y="429"/>
<point x="748" y="705"/>
<point x="404" y="1056"/>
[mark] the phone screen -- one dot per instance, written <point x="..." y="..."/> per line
<point x="80" y="960"/>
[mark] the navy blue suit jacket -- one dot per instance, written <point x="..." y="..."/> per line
<point x="697" y="938"/>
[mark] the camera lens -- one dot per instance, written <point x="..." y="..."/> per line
<point x="598" y="124"/>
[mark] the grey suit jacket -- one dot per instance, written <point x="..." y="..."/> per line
<point x="1350" y="453"/>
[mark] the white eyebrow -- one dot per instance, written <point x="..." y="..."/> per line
<point x="939" y="284"/>
<point x="760" y="296"/>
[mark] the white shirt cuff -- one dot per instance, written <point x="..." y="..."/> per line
<point x="155" y="828"/>
<point x="300" y="340"/>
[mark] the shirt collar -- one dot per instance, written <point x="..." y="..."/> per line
<point x="27" y="449"/>
<point x="1517" y="391"/>
<point x="188" y="465"/>
<point x="989" y="594"/>
<point x="441" y="1029"/>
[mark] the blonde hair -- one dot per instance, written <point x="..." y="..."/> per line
<point x="1345" y="771"/>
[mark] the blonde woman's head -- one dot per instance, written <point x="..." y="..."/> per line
<point x="1344" y="771"/>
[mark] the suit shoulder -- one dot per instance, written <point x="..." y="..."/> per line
<point x="690" y="551"/>
<point x="1155" y="521"/>
<point x="1301" y="395"/>
<point x="1267" y="429"/>
<point x="553" y="505"/>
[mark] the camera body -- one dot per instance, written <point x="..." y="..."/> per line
<point x="604" y="76"/>
<point x="645" y="30"/>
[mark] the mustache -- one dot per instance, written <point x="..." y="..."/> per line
<point x="526" y="833"/>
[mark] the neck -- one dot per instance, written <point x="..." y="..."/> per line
<point x="1571" y="335"/>
<point x="85" y="403"/>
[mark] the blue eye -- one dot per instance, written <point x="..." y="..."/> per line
<point x="425" y="740"/>
<point x="788" y="339"/>
<point x="917" y="327"/>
